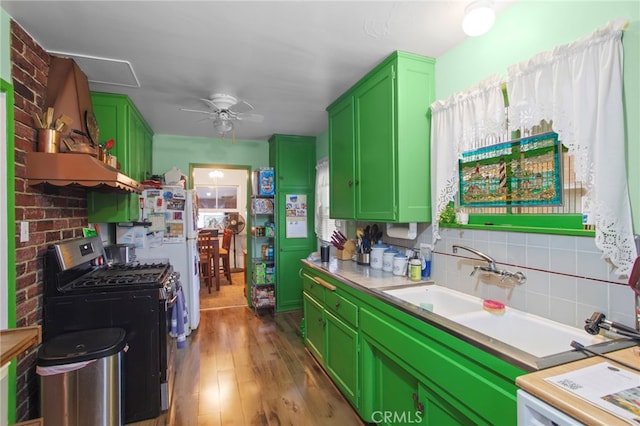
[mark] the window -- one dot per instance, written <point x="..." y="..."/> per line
<point x="324" y="225"/>
<point x="217" y="197"/>
<point x="579" y="86"/>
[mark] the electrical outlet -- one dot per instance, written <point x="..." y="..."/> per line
<point x="24" y="231"/>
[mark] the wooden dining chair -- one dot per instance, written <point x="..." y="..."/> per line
<point x="208" y="254"/>
<point x="225" y="248"/>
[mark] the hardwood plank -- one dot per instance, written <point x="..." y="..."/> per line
<point x="240" y="368"/>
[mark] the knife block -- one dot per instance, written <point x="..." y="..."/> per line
<point x="347" y="252"/>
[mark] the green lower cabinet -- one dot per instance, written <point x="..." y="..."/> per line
<point x="399" y="398"/>
<point x="314" y="327"/>
<point x="437" y="409"/>
<point x="393" y="392"/>
<point x="459" y="384"/>
<point x="289" y="287"/>
<point x="341" y="356"/>
<point x="397" y="369"/>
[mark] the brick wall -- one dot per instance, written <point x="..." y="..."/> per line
<point x="53" y="215"/>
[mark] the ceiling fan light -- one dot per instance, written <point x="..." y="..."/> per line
<point x="479" y="17"/>
<point x="223" y="126"/>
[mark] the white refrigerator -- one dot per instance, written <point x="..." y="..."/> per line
<point x="172" y="234"/>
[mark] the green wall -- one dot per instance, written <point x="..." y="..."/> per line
<point x="529" y="27"/>
<point x="5" y="40"/>
<point x="180" y="151"/>
<point x="322" y="144"/>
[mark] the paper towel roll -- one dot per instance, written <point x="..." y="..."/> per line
<point x="407" y="231"/>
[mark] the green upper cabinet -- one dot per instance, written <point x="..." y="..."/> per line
<point x="293" y="160"/>
<point x="342" y="165"/>
<point x="119" y="119"/>
<point x="379" y="133"/>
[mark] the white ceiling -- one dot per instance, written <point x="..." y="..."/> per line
<point x="289" y="59"/>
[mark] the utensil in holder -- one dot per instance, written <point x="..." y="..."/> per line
<point x="362" y="259"/>
<point x="48" y="140"/>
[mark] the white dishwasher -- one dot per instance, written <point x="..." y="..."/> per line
<point x="535" y="412"/>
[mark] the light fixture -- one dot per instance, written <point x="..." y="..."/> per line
<point x="216" y="174"/>
<point x="223" y="126"/>
<point x="479" y="17"/>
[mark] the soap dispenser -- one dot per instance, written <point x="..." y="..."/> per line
<point x="415" y="267"/>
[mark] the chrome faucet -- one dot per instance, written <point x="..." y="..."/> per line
<point x="519" y="277"/>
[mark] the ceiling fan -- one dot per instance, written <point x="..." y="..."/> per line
<point x="225" y="110"/>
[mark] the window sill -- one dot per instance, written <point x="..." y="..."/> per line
<point x="554" y="224"/>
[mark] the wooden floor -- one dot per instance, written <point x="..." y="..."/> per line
<point x="244" y="369"/>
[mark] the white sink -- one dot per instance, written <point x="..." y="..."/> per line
<point x="530" y="333"/>
<point x="535" y="335"/>
<point x="440" y="300"/>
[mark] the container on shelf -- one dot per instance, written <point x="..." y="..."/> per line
<point x="48" y="140"/>
<point x="264" y="181"/>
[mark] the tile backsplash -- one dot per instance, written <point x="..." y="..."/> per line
<point x="567" y="280"/>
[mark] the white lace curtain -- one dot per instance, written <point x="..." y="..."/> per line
<point x="457" y="123"/>
<point x="324" y="225"/>
<point x="579" y="87"/>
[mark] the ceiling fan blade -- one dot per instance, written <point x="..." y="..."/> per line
<point x="241" y="106"/>
<point x="212" y="104"/>
<point x="196" y="110"/>
<point x="254" y="118"/>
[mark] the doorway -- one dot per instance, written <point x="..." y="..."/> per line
<point x="223" y="193"/>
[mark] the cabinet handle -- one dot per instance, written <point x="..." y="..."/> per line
<point x="350" y="183"/>
<point x="420" y="407"/>
<point x="415" y="397"/>
<point x="324" y="284"/>
<point x="337" y="305"/>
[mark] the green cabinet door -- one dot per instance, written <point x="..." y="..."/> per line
<point x="314" y="327"/>
<point x="396" y="394"/>
<point x="391" y="140"/>
<point x="288" y="282"/>
<point x="293" y="160"/>
<point x="341" y="160"/>
<point x="118" y="119"/>
<point x="436" y="409"/>
<point x="375" y="148"/>
<point x="341" y="357"/>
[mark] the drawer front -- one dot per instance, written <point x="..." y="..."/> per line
<point x="311" y="287"/>
<point x="342" y="308"/>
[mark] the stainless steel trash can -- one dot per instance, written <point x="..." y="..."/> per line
<point x="81" y="379"/>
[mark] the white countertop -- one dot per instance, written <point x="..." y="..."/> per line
<point x="363" y="276"/>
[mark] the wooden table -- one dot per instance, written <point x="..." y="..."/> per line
<point x="17" y="340"/>
<point x="575" y="407"/>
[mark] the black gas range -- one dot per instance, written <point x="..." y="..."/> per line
<point x="82" y="293"/>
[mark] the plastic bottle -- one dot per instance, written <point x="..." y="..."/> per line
<point x="415" y="268"/>
<point x="425" y="256"/>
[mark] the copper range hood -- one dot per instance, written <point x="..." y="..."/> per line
<point x="68" y="93"/>
<point x="77" y="170"/>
